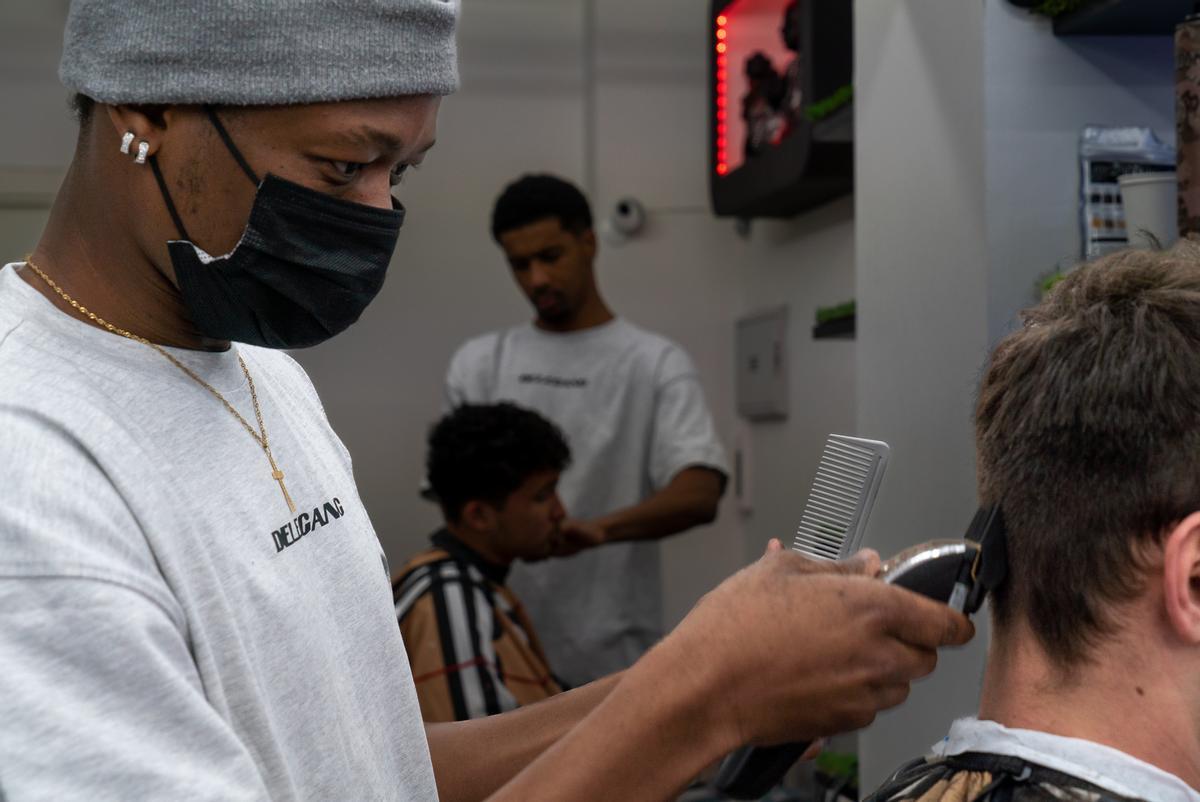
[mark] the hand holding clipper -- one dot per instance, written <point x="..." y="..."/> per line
<point x="957" y="572"/>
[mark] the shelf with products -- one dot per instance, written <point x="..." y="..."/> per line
<point x="840" y="329"/>
<point x="836" y="322"/>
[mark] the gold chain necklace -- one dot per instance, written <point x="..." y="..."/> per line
<point x="262" y="439"/>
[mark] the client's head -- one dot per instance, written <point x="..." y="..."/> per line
<point x="494" y="469"/>
<point x="1088" y="435"/>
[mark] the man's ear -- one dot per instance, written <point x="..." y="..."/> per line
<point x="587" y="241"/>
<point x="1181" y="578"/>
<point x="146" y="123"/>
<point x="478" y="516"/>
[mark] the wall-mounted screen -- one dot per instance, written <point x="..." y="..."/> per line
<point x="781" y="116"/>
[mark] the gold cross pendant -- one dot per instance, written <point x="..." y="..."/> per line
<point x="277" y="475"/>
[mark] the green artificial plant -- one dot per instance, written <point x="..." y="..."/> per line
<point x="1054" y="8"/>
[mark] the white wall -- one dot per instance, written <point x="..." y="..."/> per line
<point x="968" y="119"/>
<point x="1040" y="90"/>
<point x="806" y="263"/>
<point x="922" y="305"/>
<point x="37" y="130"/>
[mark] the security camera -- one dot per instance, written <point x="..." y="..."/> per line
<point x="628" y="217"/>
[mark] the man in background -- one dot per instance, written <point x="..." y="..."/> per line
<point x="1088" y="435"/>
<point x="647" y="462"/>
<point x="494" y="470"/>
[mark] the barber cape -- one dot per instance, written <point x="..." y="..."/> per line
<point x="982" y="761"/>
<point x="472" y="648"/>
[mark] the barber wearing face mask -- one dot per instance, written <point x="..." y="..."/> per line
<point x="193" y="603"/>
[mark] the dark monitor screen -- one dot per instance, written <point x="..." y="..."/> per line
<point x="781" y="119"/>
<point x="759" y="78"/>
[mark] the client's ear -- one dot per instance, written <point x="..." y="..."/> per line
<point x="1181" y="578"/>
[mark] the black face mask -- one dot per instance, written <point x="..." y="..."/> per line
<point x="305" y="269"/>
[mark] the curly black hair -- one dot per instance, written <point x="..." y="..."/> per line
<point x="484" y="452"/>
<point x="533" y="198"/>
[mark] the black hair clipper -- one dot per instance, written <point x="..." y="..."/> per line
<point x="957" y="572"/>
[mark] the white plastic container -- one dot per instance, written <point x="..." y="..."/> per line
<point x="1151" y="206"/>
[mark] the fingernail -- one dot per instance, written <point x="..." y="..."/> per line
<point x="862" y="560"/>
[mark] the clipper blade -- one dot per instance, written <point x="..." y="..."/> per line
<point x="842" y="495"/>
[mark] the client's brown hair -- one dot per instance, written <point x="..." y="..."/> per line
<point x="1088" y="434"/>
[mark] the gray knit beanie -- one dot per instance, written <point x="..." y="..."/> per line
<point x="258" y="52"/>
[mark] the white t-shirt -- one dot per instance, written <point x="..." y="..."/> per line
<point x="1091" y="762"/>
<point x="631" y="406"/>
<point x="168" y="629"/>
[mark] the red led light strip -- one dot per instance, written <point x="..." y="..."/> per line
<point x="722" y="94"/>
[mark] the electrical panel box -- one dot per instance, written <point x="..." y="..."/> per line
<point x="762" y="374"/>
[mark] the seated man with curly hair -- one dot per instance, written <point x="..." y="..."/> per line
<point x="494" y="470"/>
<point x="1088" y="437"/>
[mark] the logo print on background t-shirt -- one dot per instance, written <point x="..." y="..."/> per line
<point x="552" y="381"/>
<point x="307" y="522"/>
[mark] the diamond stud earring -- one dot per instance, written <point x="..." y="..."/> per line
<point x="126" y="141"/>
<point x="143" y="150"/>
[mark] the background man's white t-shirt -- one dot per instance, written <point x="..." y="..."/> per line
<point x="631" y="406"/>
<point x="168" y="629"/>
